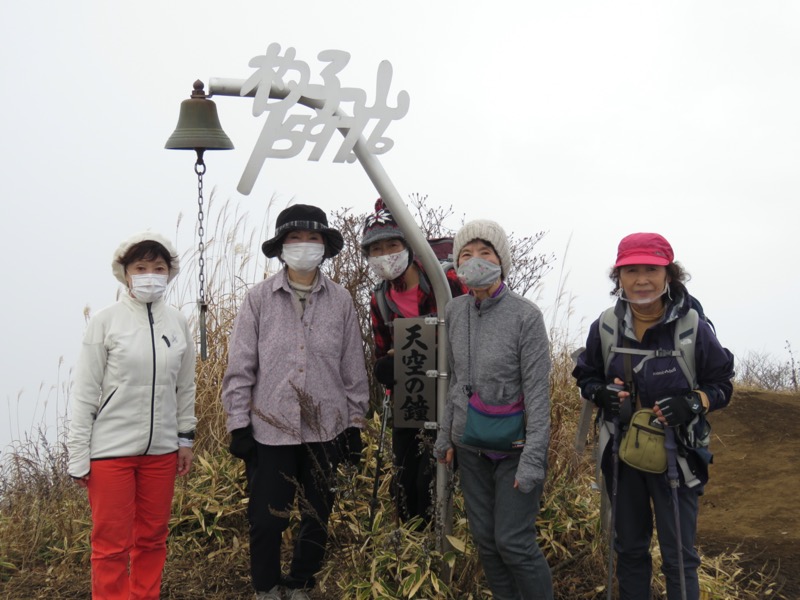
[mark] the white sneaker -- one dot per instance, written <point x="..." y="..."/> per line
<point x="299" y="595"/>
<point x="273" y="594"/>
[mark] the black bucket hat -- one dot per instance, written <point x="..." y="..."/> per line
<point x="303" y="217"/>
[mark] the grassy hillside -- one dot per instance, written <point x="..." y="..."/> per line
<point x="45" y="523"/>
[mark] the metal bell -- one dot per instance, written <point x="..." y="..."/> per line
<point x="198" y="125"/>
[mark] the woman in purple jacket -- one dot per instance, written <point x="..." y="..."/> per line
<point x="652" y="299"/>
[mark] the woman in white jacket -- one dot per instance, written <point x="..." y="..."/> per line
<point x="132" y="420"/>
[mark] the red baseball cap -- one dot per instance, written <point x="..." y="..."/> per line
<point x="644" y="249"/>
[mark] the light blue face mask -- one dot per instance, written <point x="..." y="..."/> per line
<point x="478" y="273"/>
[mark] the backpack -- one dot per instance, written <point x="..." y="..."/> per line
<point x="443" y="249"/>
<point x="697" y="434"/>
<point x="685" y="337"/>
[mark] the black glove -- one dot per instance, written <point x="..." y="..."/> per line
<point x="243" y="445"/>
<point x="350" y="446"/>
<point x="384" y="371"/>
<point x="679" y="410"/>
<point x="607" y="398"/>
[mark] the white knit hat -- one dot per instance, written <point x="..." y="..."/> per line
<point x="488" y="231"/>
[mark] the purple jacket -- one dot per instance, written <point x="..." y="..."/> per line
<point x="660" y="377"/>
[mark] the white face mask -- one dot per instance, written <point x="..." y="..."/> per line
<point x="655" y="296"/>
<point x="303" y="257"/>
<point x="389" y="266"/>
<point x="478" y="273"/>
<point x="148" y="287"/>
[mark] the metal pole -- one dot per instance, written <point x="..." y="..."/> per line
<point x="613" y="523"/>
<point x="674" y="482"/>
<point x="416" y="239"/>
<point x="373" y="504"/>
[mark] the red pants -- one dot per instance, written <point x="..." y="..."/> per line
<point x="131" y="501"/>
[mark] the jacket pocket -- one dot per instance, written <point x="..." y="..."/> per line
<point x="105" y="402"/>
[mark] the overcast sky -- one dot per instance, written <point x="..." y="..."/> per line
<point x="589" y="120"/>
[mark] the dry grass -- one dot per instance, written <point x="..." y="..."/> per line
<point x="45" y="524"/>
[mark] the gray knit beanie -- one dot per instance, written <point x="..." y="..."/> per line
<point x="380" y="225"/>
<point x="488" y="231"/>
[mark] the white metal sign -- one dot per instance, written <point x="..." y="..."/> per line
<point x="336" y="107"/>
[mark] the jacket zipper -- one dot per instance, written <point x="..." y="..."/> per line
<point x="153" y="386"/>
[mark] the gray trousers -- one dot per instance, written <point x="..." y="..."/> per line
<point x="502" y="521"/>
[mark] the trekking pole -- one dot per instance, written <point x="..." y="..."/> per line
<point x="373" y="504"/>
<point x="672" y="473"/>
<point x="613" y="523"/>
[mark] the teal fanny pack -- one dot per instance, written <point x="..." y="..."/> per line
<point x="494" y="427"/>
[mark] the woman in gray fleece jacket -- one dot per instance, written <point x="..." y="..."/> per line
<point x="499" y="359"/>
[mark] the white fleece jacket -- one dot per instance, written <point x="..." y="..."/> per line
<point x="134" y="384"/>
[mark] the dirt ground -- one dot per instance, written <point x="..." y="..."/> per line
<point x="751" y="502"/>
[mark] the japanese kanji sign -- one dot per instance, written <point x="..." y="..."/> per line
<point x="414" y="355"/>
<point x="343" y="108"/>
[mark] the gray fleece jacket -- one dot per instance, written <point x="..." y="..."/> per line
<point x="506" y="342"/>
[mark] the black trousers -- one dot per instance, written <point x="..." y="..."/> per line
<point x="275" y="476"/>
<point x="414" y="472"/>
<point x="640" y="497"/>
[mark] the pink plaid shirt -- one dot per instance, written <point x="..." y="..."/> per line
<point x="273" y="353"/>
